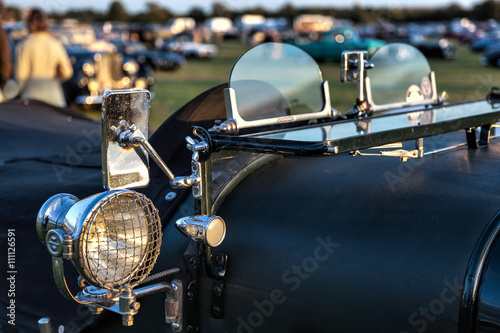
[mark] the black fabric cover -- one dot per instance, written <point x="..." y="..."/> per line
<point x="45" y="151"/>
<point x="48" y="150"/>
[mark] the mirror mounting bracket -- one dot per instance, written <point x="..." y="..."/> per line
<point x="131" y="136"/>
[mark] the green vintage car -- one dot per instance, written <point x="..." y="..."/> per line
<point x="331" y="44"/>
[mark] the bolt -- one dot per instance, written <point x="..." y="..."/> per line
<point x="220" y="258"/>
<point x="215" y="311"/>
<point x="135" y="306"/>
<point x="127" y="320"/>
<point x="471" y="277"/>
<point x="95" y="311"/>
<point x="174" y="286"/>
<point x="190" y="295"/>
<point x="218" y="290"/>
<point x="190" y="329"/>
<point x="192" y="261"/>
<point x="175" y="326"/>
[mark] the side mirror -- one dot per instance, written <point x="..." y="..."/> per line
<point x="124" y="166"/>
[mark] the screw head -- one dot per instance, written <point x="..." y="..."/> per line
<point x="175" y="326"/>
<point x="128" y="320"/>
<point x="95" y="310"/>
<point x="220" y="258"/>
<point x="170" y="196"/>
<point x="215" y="311"/>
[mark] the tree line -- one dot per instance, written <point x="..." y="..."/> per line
<point x="154" y="13"/>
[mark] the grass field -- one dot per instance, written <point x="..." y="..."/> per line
<point x="463" y="78"/>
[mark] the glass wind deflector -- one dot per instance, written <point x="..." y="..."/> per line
<point x="355" y="134"/>
<point x="272" y="84"/>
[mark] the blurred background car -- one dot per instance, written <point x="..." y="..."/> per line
<point x="491" y="55"/>
<point x="187" y="47"/>
<point x="98" y="65"/>
<point x="331" y="44"/>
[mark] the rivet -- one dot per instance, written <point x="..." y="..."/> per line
<point x="170" y="196"/>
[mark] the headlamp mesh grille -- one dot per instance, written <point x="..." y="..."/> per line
<point x="121" y="241"/>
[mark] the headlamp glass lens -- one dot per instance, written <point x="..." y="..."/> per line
<point x="121" y="240"/>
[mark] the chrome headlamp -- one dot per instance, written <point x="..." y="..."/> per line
<point x="113" y="238"/>
<point x="88" y="69"/>
<point x="131" y="67"/>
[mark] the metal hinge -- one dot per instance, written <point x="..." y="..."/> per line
<point x="404" y="155"/>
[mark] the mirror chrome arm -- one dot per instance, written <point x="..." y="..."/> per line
<point x="154" y="155"/>
<point x="132" y="136"/>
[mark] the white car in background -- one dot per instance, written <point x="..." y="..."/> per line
<point x="188" y="48"/>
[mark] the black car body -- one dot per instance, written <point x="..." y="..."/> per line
<point x="329" y="228"/>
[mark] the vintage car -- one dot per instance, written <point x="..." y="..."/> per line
<point x="331" y="44"/>
<point x="265" y="209"/>
<point x="97" y="66"/>
<point x="431" y="47"/>
<point x="95" y="72"/>
<point x="156" y="59"/>
<point x="187" y="47"/>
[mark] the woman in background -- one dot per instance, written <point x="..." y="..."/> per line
<point x="5" y="61"/>
<point x="42" y="63"/>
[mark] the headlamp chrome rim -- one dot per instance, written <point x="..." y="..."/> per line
<point x="49" y="216"/>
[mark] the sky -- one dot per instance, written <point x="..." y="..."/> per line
<point x="182" y="6"/>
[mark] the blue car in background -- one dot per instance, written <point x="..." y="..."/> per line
<point x="329" y="46"/>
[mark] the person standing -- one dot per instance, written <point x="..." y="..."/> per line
<point x="42" y="63"/>
<point x="5" y="61"/>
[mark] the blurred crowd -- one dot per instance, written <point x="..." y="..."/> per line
<point x="72" y="62"/>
